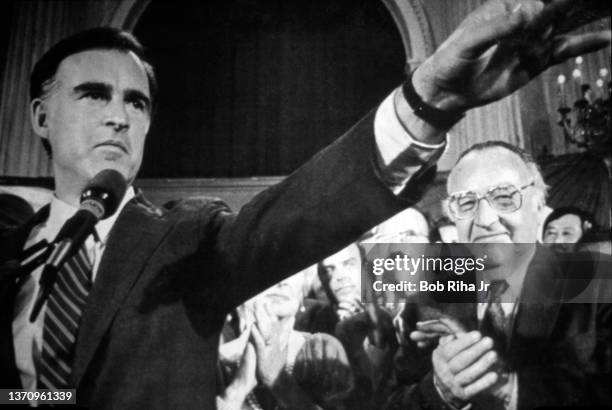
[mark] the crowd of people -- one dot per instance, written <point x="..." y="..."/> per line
<point x="363" y="367"/>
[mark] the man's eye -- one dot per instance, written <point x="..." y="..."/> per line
<point x="95" y="96"/>
<point x="466" y="203"/>
<point x="138" y="104"/>
<point x="504" y="200"/>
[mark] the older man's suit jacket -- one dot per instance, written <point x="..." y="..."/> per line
<point x="149" y="333"/>
<point x="561" y="352"/>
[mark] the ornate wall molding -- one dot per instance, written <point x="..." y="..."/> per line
<point x="125" y="14"/>
<point x="415" y="29"/>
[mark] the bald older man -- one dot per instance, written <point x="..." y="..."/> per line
<point x="517" y="349"/>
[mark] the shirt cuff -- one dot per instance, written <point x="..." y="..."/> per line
<point x="468" y="406"/>
<point x="400" y="154"/>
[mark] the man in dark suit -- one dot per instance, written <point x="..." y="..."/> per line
<point x="524" y="345"/>
<point x="154" y="285"/>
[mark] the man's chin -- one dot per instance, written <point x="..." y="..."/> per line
<point x="348" y="297"/>
<point x="119" y="166"/>
<point x="563" y="248"/>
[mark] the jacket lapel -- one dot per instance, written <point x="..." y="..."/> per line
<point x="121" y="264"/>
<point x="539" y="307"/>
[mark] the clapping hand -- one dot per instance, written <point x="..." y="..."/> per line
<point x="349" y="307"/>
<point x="244" y="379"/>
<point x="270" y="340"/>
<point x="428" y="332"/>
<point x="464" y="365"/>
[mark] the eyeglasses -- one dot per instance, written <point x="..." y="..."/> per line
<point x="503" y="198"/>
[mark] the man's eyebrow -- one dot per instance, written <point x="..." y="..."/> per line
<point x="134" y="94"/>
<point x="92" y="86"/>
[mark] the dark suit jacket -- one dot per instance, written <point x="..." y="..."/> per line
<point x="149" y="333"/>
<point x="560" y="351"/>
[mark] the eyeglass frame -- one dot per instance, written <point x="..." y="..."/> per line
<point x="486" y="196"/>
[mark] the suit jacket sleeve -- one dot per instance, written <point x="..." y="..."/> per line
<point x="328" y="203"/>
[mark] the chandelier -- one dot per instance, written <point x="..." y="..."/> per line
<point x="587" y="123"/>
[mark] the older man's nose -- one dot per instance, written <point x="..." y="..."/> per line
<point x="485" y="214"/>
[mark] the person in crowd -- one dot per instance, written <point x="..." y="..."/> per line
<point x="14" y="211"/>
<point x="364" y="327"/>
<point x="493" y="353"/>
<point x="340" y="277"/>
<point x="565" y="227"/>
<point x="320" y="360"/>
<point x="156" y="284"/>
<point x="443" y="231"/>
<point x="596" y="240"/>
<point x="408" y="226"/>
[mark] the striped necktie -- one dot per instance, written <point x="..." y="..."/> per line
<point x="61" y="323"/>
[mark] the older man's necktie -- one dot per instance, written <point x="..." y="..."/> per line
<point x="495" y="323"/>
<point x="62" y="319"/>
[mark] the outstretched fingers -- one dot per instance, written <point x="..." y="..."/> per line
<point x="477" y="37"/>
<point x="569" y="46"/>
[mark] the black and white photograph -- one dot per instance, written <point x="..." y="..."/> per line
<point x="306" y="205"/>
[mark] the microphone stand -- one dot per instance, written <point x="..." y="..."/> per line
<point x="47" y="279"/>
<point x="28" y="261"/>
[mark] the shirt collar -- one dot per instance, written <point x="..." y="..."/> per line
<point x="60" y="211"/>
<point x="104" y="226"/>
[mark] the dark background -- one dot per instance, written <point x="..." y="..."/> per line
<point x="253" y="88"/>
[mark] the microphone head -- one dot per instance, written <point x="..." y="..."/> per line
<point x="104" y="193"/>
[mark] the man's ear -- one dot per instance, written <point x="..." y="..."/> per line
<point x="540" y="202"/>
<point x="38" y="117"/>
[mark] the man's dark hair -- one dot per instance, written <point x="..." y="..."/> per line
<point x="105" y="38"/>
<point x="586" y="218"/>
<point x="325" y="278"/>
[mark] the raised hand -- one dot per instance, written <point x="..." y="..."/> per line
<point x="270" y="340"/>
<point x="497" y="49"/>
<point x="244" y="379"/>
<point x="349" y="307"/>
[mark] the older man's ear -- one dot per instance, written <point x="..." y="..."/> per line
<point x="38" y="117"/>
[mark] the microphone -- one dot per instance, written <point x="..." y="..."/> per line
<point x="99" y="200"/>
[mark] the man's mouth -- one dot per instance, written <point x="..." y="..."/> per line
<point x="492" y="238"/>
<point x="346" y="289"/>
<point x="276" y="295"/>
<point x="113" y="143"/>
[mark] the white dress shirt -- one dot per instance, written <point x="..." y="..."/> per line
<point x="27" y="337"/>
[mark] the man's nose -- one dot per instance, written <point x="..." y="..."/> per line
<point x="342" y="276"/>
<point x="559" y="239"/>
<point x="485" y="214"/>
<point x="116" y="116"/>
